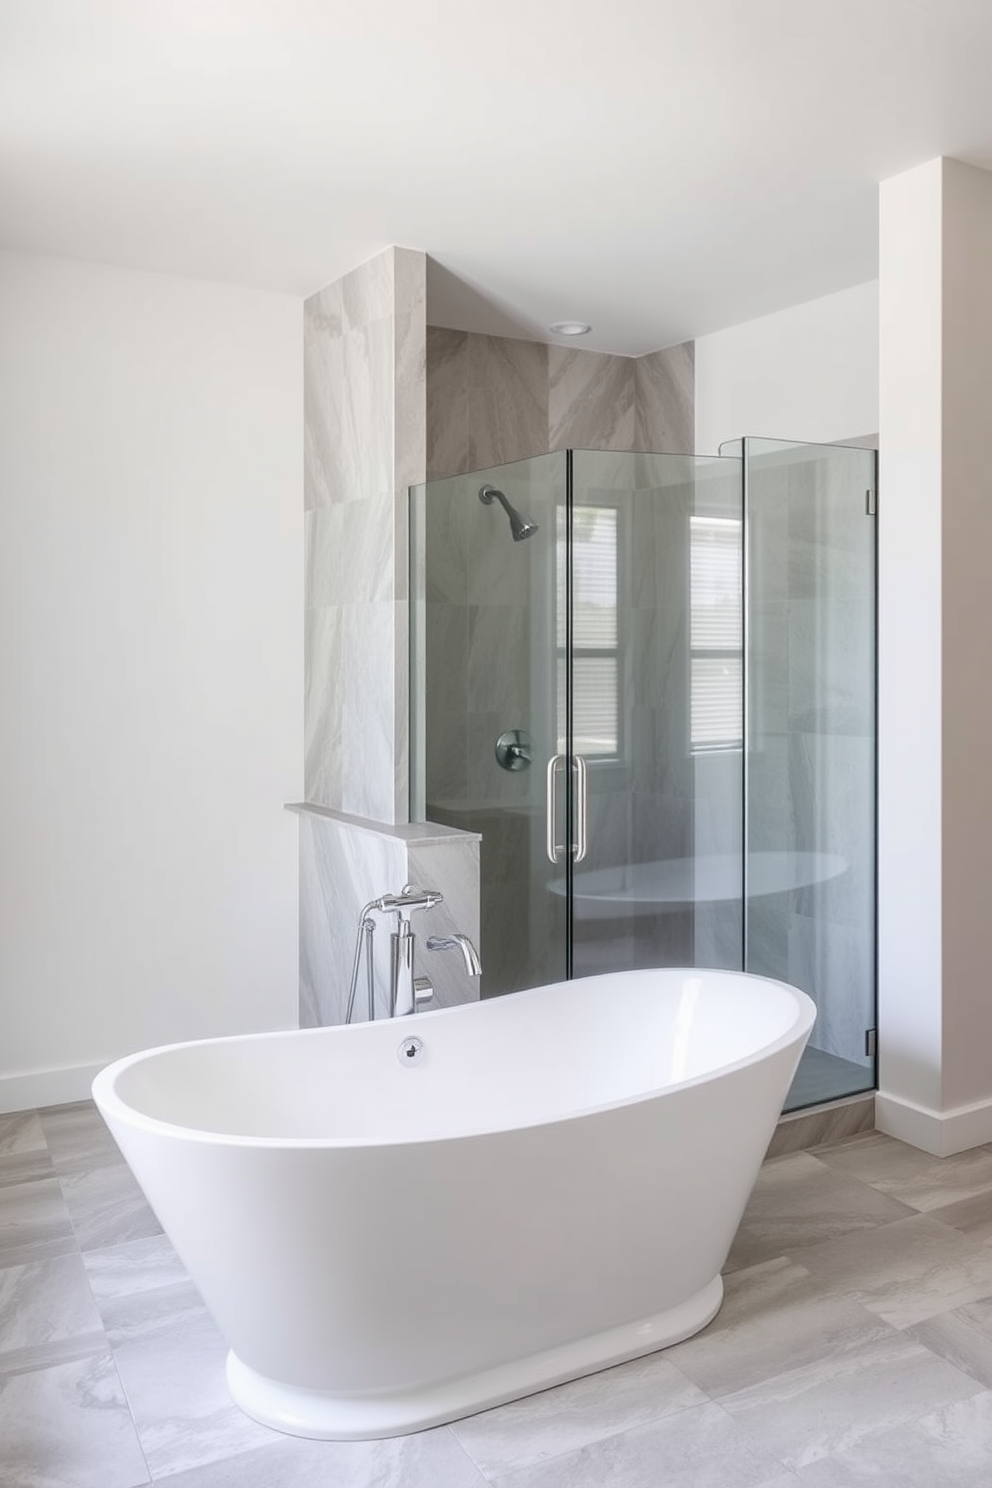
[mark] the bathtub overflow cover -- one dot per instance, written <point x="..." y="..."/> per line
<point x="410" y="1050"/>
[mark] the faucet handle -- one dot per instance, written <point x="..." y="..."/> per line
<point x="423" y="990"/>
<point x="407" y="900"/>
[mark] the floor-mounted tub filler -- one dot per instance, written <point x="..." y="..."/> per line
<point x="403" y="1222"/>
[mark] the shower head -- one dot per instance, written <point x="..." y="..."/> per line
<point x="521" y="527"/>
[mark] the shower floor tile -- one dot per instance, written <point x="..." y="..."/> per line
<point x="826" y="1077"/>
<point x="852" y="1346"/>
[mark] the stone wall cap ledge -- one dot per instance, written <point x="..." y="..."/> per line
<point x="421" y="832"/>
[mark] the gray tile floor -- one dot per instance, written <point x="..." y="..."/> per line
<point x="854" y="1347"/>
<point x="826" y="1077"/>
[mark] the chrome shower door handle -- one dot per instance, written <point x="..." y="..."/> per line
<point x="578" y="847"/>
<point x="553" y="847"/>
<point x="581" y="807"/>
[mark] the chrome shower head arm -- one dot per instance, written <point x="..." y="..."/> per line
<point x="520" y="526"/>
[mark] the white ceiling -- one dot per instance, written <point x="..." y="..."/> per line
<point x="661" y="168"/>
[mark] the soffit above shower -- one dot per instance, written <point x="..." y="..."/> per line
<point x="659" y="170"/>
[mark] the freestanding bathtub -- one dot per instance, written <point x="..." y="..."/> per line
<point x="547" y="1185"/>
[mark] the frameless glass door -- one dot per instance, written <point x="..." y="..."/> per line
<point x="656" y="710"/>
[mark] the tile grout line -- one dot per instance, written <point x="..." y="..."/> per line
<point x="150" y="1478"/>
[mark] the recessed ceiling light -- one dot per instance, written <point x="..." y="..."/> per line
<point x="570" y="328"/>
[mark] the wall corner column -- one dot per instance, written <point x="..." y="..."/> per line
<point x="935" y="532"/>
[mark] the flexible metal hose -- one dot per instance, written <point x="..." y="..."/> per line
<point x="366" y="927"/>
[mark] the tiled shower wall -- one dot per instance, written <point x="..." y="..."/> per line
<point x="493" y="399"/>
<point x="364" y="390"/>
<point x="365" y="401"/>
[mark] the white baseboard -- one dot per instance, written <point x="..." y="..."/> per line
<point x="47" y="1087"/>
<point x="941" y="1132"/>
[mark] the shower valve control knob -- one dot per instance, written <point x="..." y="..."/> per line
<point x="514" y="750"/>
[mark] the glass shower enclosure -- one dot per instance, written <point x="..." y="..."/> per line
<point x="647" y="681"/>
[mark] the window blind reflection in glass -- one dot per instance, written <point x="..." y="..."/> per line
<point x="595" y="673"/>
<point x="715" y="630"/>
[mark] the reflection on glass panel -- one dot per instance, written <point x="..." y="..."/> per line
<point x="810" y="797"/>
<point x="595" y="599"/>
<point x="594" y="576"/>
<point x="717" y="699"/>
<point x="594" y="704"/>
<point x="715" y="632"/>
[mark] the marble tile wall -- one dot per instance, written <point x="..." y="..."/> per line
<point x="590" y="400"/>
<point x="342" y="868"/>
<point x="493" y="399"/>
<point x="344" y="864"/>
<point x="365" y="432"/>
<point x="664" y="400"/>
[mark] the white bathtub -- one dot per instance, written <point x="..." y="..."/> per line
<point x="551" y="1186"/>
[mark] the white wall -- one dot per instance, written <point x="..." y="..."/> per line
<point x="150" y="665"/>
<point x="807" y="373"/>
<point x="909" y="643"/>
<point x="935" y="707"/>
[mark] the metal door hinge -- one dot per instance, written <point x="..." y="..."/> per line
<point x="870" y="1043"/>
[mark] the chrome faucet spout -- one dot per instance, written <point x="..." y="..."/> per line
<point x="458" y="942"/>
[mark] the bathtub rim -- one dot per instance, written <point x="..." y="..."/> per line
<point x="108" y="1100"/>
<point x="111" y="1104"/>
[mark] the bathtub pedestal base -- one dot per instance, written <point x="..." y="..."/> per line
<point x="328" y="1417"/>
